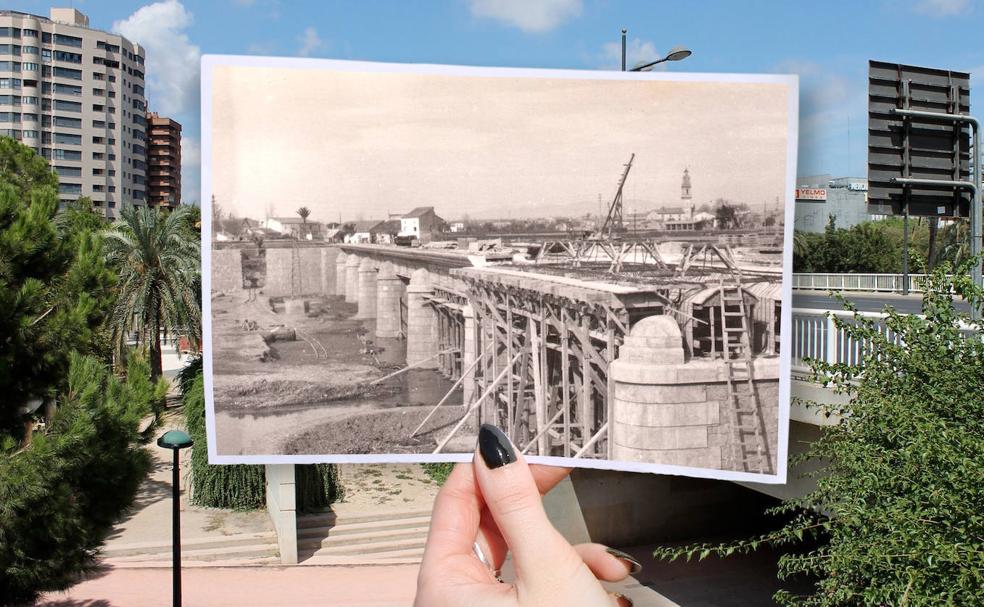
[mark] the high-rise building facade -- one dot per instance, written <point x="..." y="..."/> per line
<point x="163" y="161"/>
<point x="76" y="95"/>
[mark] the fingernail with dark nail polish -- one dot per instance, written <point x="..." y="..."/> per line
<point x="495" y="447"/>
<point x="634" y="565"/>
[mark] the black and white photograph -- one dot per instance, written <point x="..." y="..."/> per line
<point x="594" y="262"/>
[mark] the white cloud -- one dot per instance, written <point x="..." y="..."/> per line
<point x="636" y="51"/>
<point x="528" y="15"/>
<point x="172" y="60"/>
<point x="943" y="8"/>
<point x="310" y="42"/>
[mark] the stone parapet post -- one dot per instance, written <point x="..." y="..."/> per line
<point x="668" y="411"/>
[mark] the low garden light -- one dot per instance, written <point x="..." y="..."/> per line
<point x="175" y="440"/>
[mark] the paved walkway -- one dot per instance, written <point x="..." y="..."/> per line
<point x="383" y="586"/>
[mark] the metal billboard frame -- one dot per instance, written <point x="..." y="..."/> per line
<point x="920" y="157"/>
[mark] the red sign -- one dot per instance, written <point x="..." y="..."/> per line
<point x="811" y="194"/>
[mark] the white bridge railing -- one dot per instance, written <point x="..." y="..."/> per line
<point x="815" y="336"/>
<point x="872" y="283"/>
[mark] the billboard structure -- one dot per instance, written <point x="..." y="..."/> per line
<point x="919" y="146"/>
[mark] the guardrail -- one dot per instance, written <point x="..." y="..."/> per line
<point x="815" y="336"/>
<point x="872" y="283"/>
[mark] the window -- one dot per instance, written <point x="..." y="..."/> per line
<point x="98" y="171"/>
<point x="29" y="33"/>
<point x="10" y="100"/>
<point x="46" y="71"/>
<point x="111" y="94"/>
<point x="112" y="172"/>
<point x="15" y="133"/>
<point x="46" y="55"/>
<point x="29" y="117"/>
<point x="112" y="157"/>
<point x="98" y="187"/>
<point x="98" y="155"/>
<point x="30" y="50"/>
<point x="112" y="78"/>
<point x="98" y="124"/>
<point x="137" y="74"/>
<point x="30" y="67"/>
<point x="73" y="123"/>
<point x="67" y="56"/>
<point x="111" y="109"/>
<point x="111" y="141"/>
<point x="45" y="37"/>
<point x="98" y="140"/>
<point x="9" y="117"/>
<point x="98" y="76"/>
<point x="68" y="40"/>
<point x="30" y="134"/>
<point x="138" y="90"/>
<point x="67" y="154"/>
<point x="111" y="188"/>
<point x="10" y="66"/>
<point x="10" y="49"/>
<point x="10" y="32"/>
<point x="68" y="138"/>
<point x="68" y="171"/>
<point x="98" y="92"/>
<point x="65" y="72"/>
<point x="10" y="83"/>
<point x="69" y="188"/>
<point x="68" y="106"/>
<point x="29" y="100"/>
<point x="68" y="89"/>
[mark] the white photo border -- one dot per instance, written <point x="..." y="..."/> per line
<point x="209" y="62"/>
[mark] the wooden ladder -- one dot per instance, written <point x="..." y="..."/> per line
<point x="750" y="448"/>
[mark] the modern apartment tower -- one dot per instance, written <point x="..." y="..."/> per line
<point x="164" y="161"/>
<point x="76" y="95"/>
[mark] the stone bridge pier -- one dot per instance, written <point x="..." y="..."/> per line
<point x="390" y="292"/>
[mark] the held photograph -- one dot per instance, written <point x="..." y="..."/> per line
<point x="597" y="263"/>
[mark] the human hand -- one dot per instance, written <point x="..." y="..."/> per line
<point x="496" y="504"/>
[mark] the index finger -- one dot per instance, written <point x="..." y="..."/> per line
<point x="455" y="518"/>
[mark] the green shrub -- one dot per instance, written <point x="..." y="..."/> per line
<point x="238" y="487"/>
<point x="438" y="472"/>
<point x="60" y="496"/>
<point x="318" y="486"/>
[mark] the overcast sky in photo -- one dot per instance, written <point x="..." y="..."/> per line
<point x="357" y="145"/>
<point x="827" y="43"/>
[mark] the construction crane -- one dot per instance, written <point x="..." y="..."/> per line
<point x="613" y="222"/>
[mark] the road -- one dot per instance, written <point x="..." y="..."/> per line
<point x="866" y="302"/>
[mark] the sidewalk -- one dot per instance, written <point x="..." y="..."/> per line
<point x="382" y="586"/>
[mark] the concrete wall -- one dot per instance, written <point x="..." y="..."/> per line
<point x="281" y="497"/>
<point x="627" y="509"/>
<point x="317" y="268"/>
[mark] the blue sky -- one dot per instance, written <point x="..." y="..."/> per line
<point x="826" y="43"/>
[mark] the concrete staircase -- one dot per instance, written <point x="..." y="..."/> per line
<point x="244" y="549"/>
<point x="386" y="538"/>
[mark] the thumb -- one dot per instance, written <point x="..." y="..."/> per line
<point x="512" y="498"/>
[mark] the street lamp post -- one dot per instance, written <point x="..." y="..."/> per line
<point x="677" y="53"/>
<point x="175" y="440"/>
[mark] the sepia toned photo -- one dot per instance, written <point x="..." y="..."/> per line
<point x="594" y="262"/>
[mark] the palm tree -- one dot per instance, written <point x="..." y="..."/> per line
<point x="157" y="257"/>
<point x="304" y="212"/>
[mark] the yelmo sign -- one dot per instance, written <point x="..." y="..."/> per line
<point x="811" y="194"/>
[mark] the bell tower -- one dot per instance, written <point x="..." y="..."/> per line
<point x="685" y="196"/>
